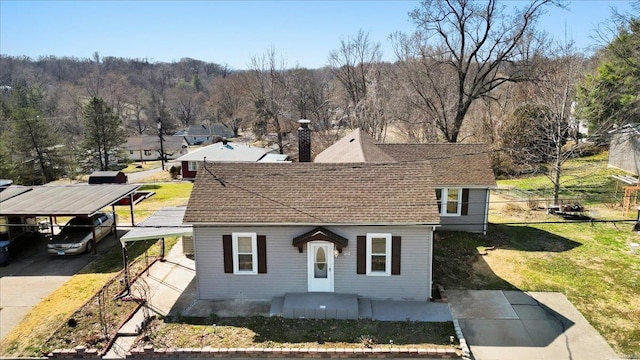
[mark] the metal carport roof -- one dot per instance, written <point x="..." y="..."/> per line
<point x="163" y="223"/>
<point x="11" y="191"/>
<point x="65" y="200"/>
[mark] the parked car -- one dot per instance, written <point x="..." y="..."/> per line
<point x="76" y="235"/>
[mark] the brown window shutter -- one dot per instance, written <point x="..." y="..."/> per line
<point x="262" y="254"/>
<point x="227" y="250"/>
<point x="395" y="255"/>
<point x="361" y="254"/>
<point x="465" y="201"/>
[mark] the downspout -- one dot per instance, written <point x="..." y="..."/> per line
<point x="433" y="230"/>
<point x="485" y="227"/>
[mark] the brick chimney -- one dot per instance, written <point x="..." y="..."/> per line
<point x="304" y="141"/>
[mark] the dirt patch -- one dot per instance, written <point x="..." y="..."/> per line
<point x="259" y="331"/>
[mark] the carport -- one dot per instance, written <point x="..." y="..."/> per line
<point x="166" y="222"/>
<point x="67" y="200"/>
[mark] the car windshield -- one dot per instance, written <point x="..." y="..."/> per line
<point x="78" y="225"/>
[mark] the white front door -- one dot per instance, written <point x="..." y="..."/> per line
<point x="320" y="264"/>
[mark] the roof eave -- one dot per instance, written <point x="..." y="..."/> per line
<point x="216" y="224"/>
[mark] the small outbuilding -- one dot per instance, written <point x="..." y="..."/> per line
<point x="624" y="150"/>
<point x="107" y="177"/>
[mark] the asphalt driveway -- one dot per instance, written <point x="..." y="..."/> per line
<point x="34" y="274"/>
<point x="527" y="326"/>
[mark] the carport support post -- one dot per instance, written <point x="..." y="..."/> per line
<point x="133" y="222"/>
<point x="51" y="225"/>
<point x="125" y="264"/>
<point x="93" y="239"/>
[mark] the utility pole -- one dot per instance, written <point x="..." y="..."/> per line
<point x="161" y="145"/>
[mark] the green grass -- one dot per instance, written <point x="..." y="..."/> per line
<point x="166" y="194"/>
<point x="586" y="180"/>
<point x="589" y="262"/>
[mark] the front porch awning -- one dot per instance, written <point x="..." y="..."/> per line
<point x="320" y="234"/>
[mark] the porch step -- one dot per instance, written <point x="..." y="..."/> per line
<point x="320" y="306"/>
<point x="277" y="305"/>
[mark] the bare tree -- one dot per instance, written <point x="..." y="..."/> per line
<point x="541" y="133"/>
<point x="228" y="102"/>
<point x="356" y="65"/>
<point x="268" y="87"/>
<point x="461" y="51"/>
<point x="138" y="122"/>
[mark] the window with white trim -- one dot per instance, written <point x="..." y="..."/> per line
<point x="147" y="153"/>
<point x="379" y="254"/>
<point x="449" y="201"/>
<point x="245" y="253"/>
<point x="193" y="166"/>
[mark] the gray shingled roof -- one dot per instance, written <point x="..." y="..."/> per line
<point x="453" y="164"/>
<point x="312" y="194"/>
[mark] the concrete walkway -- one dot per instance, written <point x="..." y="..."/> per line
<point x="162" y="286"/>
<point x="527" y="326"/>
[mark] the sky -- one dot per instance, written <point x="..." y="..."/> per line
<point x="302" y="32"/>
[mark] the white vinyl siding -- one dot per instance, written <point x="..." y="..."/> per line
<point x="378" y="254"/>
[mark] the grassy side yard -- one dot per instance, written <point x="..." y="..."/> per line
<point x="166" y="195"/>
<point x="589" y="262"/>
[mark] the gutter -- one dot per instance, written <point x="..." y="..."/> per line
<point x="485" y="226"/>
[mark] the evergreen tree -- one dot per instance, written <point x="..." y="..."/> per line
<point x="102" y="131"/>
<point x="32" y="142"/>
<point x="610" y="97"/>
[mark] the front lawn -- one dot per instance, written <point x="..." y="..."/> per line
<point x="278" y="332"/>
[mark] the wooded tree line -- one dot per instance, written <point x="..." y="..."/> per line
<point x="471" y="72"/>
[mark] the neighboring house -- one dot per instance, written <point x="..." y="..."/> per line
<point x="462" y="174"/>
<point x="108" y="177"/>
<point x="624" y="150"/>
<point x="205" y="134"/>
<point x="146" y="148"/>
<point x="264" y="230"/>
<point x="225" y="151"/>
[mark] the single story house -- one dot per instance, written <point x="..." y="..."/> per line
<point x="205" y="134"/>
<point x="225" y="151"/>
<point x="624" y="149"/>
<point x="147" y="148"/>
<point x="264" y="230"/>
<point x="461" y="173"/>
